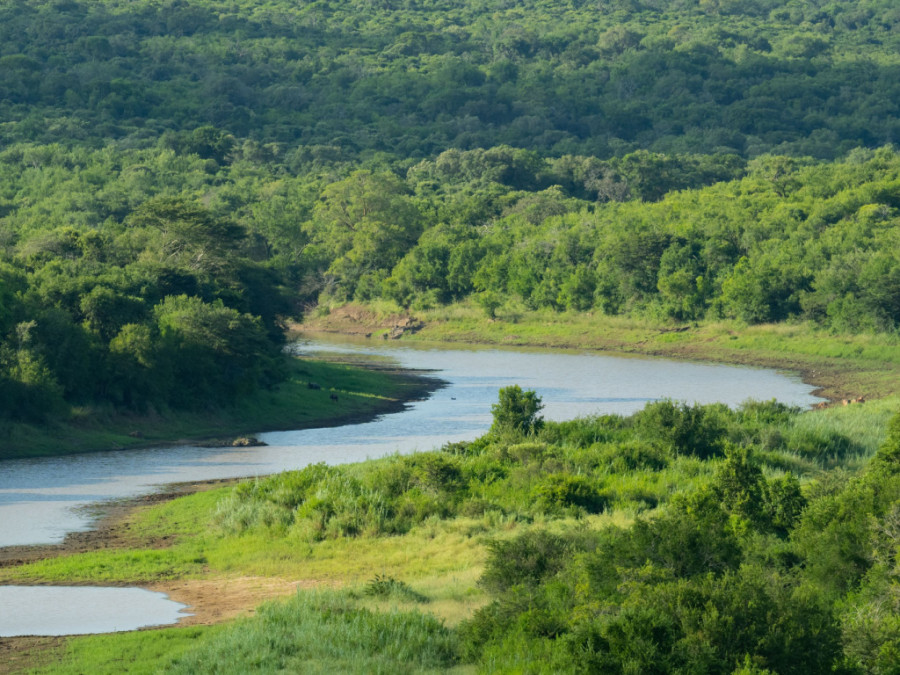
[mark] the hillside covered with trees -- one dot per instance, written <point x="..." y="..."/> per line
<point x="416" y="78"/>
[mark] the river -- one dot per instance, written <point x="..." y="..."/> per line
<point x="43" y="499"/>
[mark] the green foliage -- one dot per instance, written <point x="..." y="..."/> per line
<point x="96" y="242"/>
<point x="388" y="587"/>
<point x="887" y="459"/>
<point x="702" y="585"/>
<point x="562" y="491"/>
<point x="526" y="560"/>
<point x="517" y="411"/>
<point x="324" y="632"/>
<point x="635" y="81"/>
<point x="163" y="309"/>
<point x="688" y="429"/>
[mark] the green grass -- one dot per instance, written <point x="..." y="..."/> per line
<point x="313" y="632"/>
<point x="291" y="405"/>
<point x="325" y="632"/>
<point x="135" y="653"/>
<point x="865" y="423"/>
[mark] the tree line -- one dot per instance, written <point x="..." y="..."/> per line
<point x="414" y="78"/>
<point x="119" y="263"/>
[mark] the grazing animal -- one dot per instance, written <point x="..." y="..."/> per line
<point x="312" y="385"/>
<point x="334" y="397"/>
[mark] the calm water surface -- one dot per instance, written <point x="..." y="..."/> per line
<point x="41" y="500"/>
<point x="78" y="610"/>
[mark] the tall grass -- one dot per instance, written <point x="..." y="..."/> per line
<point x="865" y="423"/>
<point x="325" y="632"/>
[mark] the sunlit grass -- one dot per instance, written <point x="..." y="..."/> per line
<point x="136" y="653"/>
<point x="865" y="422"/>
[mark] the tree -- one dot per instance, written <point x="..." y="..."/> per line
<point x="366" y="223"/>
<point x="517" y="411"/>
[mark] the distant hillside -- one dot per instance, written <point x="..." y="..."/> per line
<point x="415" y="78"/>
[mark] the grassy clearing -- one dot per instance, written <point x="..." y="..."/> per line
<point x="144" y="652"/>
<point x="291" y="405"/>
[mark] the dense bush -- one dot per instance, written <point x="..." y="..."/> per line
<point x="743" y="575"/>
<point x="560" y="471"/>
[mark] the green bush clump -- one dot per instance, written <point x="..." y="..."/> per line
<point x="695" y="430"/>
<point x="561" y="492"/>
<point x="325" y="632"/>
<point x="381" y="586"/>
<point x="517" y="411"/>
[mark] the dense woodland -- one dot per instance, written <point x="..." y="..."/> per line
<point x="119" y="263"/>
<point x="414" y="78"/>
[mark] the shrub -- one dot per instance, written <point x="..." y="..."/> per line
<point x="527" y="559"/>
<point x="381" y="586"/>
<point x="695" y="430"/>
<point x="563" y="491"/>
<point x="517" y="411"/>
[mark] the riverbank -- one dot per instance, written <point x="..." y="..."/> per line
<point x="384" y="537"/>
<point x="839" y="366"/>
<point x="317" y="392"/>
<point x="171" y="542"/>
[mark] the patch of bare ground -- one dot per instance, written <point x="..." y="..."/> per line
<point x="359" y="321"/>
<point x="214" y="600"/>
<point x="22" y="654"/>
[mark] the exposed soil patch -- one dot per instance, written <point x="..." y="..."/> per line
<point x="361" y="321"/>
<point x="26" y="653"/>
<point x="215" y="600"/>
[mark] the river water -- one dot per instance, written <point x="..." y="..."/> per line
<point x="43" y="499"/>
